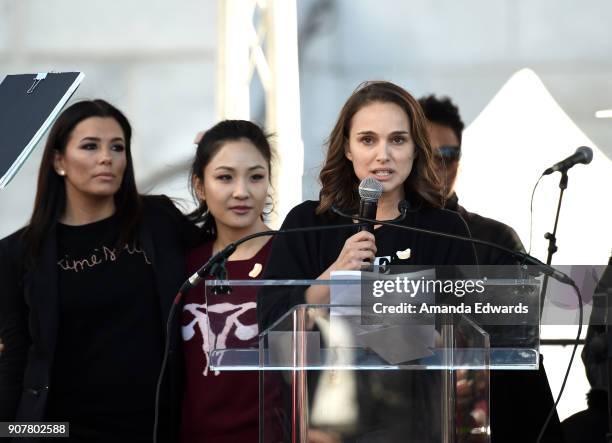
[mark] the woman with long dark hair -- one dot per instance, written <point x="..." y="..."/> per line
<point x="87" y="286"/>
<point x="230" y="177"/>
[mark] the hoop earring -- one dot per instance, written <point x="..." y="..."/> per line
<point x="269" y="206"/>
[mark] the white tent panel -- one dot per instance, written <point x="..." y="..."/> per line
<point x="520" y="133"/>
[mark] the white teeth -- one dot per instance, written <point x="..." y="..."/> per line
<point x="382" y="173"/>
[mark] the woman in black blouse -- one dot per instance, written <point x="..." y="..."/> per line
<point x="380" y="133"/>
<point x="87" y="286"/>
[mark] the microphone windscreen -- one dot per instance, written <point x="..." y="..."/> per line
<point x="370" y="189"/>
<point x="587" y="153"/>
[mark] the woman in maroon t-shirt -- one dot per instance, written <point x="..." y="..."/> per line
<point x="230" y="179"/>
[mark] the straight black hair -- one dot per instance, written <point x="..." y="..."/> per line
<point x="50" y="200"/>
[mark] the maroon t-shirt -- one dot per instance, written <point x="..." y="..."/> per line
<point x="221" y="406"/>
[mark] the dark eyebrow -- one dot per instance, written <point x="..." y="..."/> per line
<point x="228" y="168"/>
<point x="368" y="132"/>
<point x="97" y="139"/>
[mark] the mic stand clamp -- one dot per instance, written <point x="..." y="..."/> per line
<point x="219" y="272"/>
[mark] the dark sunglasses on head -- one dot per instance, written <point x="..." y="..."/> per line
<point x="448" y="153"/>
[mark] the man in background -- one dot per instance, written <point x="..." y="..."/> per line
<point x="445" y="131"/>
<point x="520" y="400"/>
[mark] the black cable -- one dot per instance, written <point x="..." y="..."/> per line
<point x="531" y="213"/>
<point x="196" y="278"/>
<point x="569" y="366"/>
<point x="163" y="365"/>
<point x="523" y="257"/>
<point x="201" y="273"/>
<point x="224" y="254"/>
<point x="213" y="262"/>
<point x="549" y="270"/>
<point x="342" y="214"/>
<point x="469" y="234"/>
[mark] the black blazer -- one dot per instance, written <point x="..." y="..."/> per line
<point x="29" y="310"/>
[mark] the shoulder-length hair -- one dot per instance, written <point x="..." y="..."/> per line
<point x="339" y="184"/>
<point x="50" y="200"/>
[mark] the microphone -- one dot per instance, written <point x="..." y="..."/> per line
<point x="370" y="191"/>
<point x="582" y="155"/>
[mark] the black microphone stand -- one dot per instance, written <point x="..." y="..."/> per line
<point x="552" y="238"/>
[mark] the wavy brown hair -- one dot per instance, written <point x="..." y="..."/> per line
<point x="338" y="180"/>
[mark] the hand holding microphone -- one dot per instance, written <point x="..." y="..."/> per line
<point x="359" y="250"/>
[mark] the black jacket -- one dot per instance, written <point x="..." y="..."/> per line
<point x="29" y="310"/>
<point x="488" y="229"/>
<point x="520" y="400"/>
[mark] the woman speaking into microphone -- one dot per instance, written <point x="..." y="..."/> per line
<point x="381" y="134"/>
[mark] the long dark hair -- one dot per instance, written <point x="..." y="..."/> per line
<point x="210" y="143"/>
<point x="338" y="180"/>
<point x="50" y="201"/>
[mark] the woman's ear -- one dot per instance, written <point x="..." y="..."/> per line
<point x="198" y="185"/>
<point x="58" y="163"/>
<point x="347" y="152"/>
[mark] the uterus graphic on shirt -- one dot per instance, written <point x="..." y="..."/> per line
<point x="219" y="324"/>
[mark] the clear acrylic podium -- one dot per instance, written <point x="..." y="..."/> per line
<point x="328" y="376"/>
